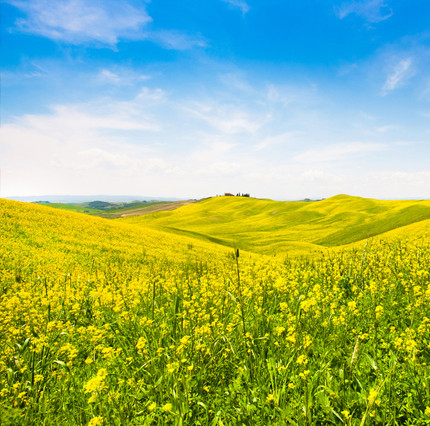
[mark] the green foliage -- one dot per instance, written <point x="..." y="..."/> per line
<point x="74" y="208"/>
<point x="102" y="205"/>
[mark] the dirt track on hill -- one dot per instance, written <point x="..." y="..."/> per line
<point x="165" y="207"/>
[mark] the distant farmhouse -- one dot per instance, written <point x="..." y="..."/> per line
<point x="229" y="194"/>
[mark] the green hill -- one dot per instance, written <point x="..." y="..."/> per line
<point x="294" y="227"/>
<point x="116" y="210"/>
<point x="103" y="322"/>
<point x="48" y="234"/>
<point x="77" y="208"/>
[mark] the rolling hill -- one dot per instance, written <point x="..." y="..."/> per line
<point x="67" y="240"/>
<point x="116" y="210"/>
<point x="293" y="227"/>
<point x="105" y="322"/>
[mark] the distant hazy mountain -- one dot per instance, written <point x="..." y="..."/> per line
<point x="85" y="198"/>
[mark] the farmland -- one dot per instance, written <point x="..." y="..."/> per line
<point x="278" y="227"/>
<point x="160" y="320"/>
<point x="116" y="210"/>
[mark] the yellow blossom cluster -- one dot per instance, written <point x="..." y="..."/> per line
<point x="108" y="323"/>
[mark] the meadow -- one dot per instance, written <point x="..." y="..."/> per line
<point x="158" y="320"/>
<point x="292" y="227"/>
<point x="117" y="210"/>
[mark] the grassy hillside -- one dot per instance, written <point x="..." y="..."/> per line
<point x="116" y="210"/>
<point x="270" y="227"/>
<point x="106" y="323"/>
<point x="74" y="240"/>
<point x="73" y="208"/>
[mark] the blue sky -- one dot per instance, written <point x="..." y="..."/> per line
<point x="280" y="99"/>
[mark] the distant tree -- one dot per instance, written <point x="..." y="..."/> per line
<point x="102" y="205"/>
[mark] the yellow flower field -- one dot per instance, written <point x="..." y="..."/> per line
<point x="109" y="323"/>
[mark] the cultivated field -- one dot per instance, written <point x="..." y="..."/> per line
<point x="116" y="210"/>
<point x="119" y="322"/>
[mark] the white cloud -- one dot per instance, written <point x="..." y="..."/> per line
<point x="236" y="81"/>
<point x="151" y="95"/>
<point x="285" y="95"/>
<point x="176" y="40"/>
<point x="276" y="140"/>
<point x="228" y="119"/>
<point x="146" y="100"/>
<point x="97" y="22"/>
<point x="338" y="152"/>
<point x="372" y="10"/>
<point x="79" y="21"/>
<point x="242" y="5"/>
<point x="212" y="150"/>
<point x="369" y="130"/>
<point x="157" y="164"/>
<point x="83" y="148"/>
<point x="319" y="176"/>
<point x="67" y="118"/>
<point x="96" y="157"/>
<point x="422" y="177"/>
<point x="402" y="72"/>
<point x="157" y="143"/>
<point x="400" y="184"/>
<point x="106" y="76"/>
<point x="385" y="129"/>
<point x="120" y="77"/>
<point x="273" y="95"/>
<point x="79" y="137"/>
<point x="221" y="169"/>
<point x="17" y="77"/>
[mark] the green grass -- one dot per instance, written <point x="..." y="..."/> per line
<point x="117" y="210"/>
<point x="104" y="323"/>
<point x="73" y="208"/>
<point x="141" y="209"/>
<point x="275" y="227"/>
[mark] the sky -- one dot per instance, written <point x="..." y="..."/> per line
<point x="281" y="99"/>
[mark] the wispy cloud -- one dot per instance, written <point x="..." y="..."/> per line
<point x="318" y="176"/>
<point x="176" y="40"/>
<point x="402" y="71"/>
<point x="100" y="23"/>
<point x="120" y="77"/>
<point x="215" y="149"/>
<point x="372" y="10"/>
<point x="242" y="5"/>
<point x="70" y="134"/>
<point x="276" y="140"/>
<point x="146" y="95"/>
<point x="93" y="141"/>
<point x="96" y="157"/>
<point x="274" y="95"/>
<point x="106" y="76"/>
<point x="391" y="183"/>
<point x="65" y="118"/>
<point x="222" y="169"/>
<point x="385" y="129"/>
<point x="228" y="119"/>
<point x="285" y="95"/>
<point x="236" y="81"/>
<point x="338" y="152"/>
<point x="77" y="21"/>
